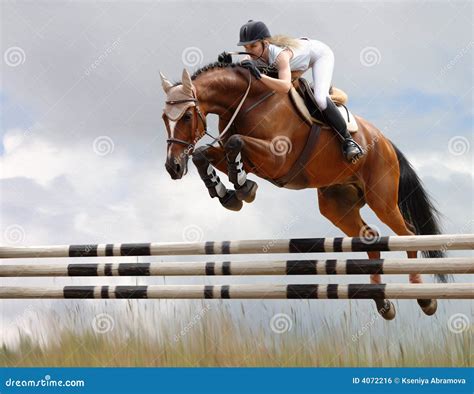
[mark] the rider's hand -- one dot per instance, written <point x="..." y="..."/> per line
<point x="224" y="57"/>
<point x="250" y="65"/>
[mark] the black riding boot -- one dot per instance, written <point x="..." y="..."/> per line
<point x="334" y="119"/>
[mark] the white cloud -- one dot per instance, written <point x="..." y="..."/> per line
<point x="443" y="165"/>
<point x="28" y="154"/>
<point x="59" y="190"/>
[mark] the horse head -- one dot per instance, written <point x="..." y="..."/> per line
<point x="184" y="121"/>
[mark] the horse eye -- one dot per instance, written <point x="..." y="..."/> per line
<point x="187" y="116"/>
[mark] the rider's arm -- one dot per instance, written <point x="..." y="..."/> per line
<point x="282" y="84"/>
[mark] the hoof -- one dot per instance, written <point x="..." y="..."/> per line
<point x="385" y="308"/>
<point x="429" y="307"/>
<point x="230" y="201"/>
<point x="247" y="192"/>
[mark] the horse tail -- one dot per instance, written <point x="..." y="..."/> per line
<point x="416" y="206"/>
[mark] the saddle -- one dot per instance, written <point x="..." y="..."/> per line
<point x="302" y="96"/>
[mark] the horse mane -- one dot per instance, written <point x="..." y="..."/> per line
<point x="208" y="67"/>
<point x="212" y="66"/>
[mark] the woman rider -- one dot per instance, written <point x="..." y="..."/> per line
<point x="289" y="54"/>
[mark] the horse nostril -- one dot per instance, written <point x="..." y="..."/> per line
<point x="178" y="168"/>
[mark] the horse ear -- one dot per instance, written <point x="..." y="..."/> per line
<point x="167" y="85"/>
<point x="187" y="83"/>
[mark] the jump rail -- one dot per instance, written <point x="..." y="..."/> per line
<point x="301" y="245"/>
<point x="256" y="267"/>
<point x="270" y="291"/>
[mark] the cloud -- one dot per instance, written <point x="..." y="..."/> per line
<point x="89" y="81"/>
<point x="91" y="71"/>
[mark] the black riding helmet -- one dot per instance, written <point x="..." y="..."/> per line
<point x="253" y="31"/>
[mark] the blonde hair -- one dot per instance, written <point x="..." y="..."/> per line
<point x="284" y="41"/>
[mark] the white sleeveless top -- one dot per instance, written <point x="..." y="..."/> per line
<point x="303" y="57"/>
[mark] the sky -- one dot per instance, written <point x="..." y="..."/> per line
<point x="83" y="144"/>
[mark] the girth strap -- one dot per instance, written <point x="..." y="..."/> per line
<point x="300" y="163"/>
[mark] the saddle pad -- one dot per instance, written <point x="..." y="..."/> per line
<point x="301" y="108"/>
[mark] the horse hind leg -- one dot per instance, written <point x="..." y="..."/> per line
<point x="384" y="307"/>
<point x="382" y="198"/>
<point x="341" y="205"/>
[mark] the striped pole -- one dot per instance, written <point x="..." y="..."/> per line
<point x="281" y="267"/>
<point x="270" y="291"/>
<point x="302" y="245"/>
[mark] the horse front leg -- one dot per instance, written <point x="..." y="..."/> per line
<point x="245" y="189"/>
<point x="204" y="158"/>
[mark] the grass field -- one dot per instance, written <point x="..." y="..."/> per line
<point x="210" y="334"/>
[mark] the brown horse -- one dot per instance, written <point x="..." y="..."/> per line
<point x="267" y="136"/>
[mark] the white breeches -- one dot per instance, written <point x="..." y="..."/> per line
<point x="322" y="76"/>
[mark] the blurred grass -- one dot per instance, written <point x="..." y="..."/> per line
<point x="198" y="335"/>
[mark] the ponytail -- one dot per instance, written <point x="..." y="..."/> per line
<point x="284" y="41"/>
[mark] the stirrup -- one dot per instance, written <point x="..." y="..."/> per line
<point x="350" y="143"/>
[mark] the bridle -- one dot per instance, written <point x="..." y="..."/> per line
<point x="198" y="113"/>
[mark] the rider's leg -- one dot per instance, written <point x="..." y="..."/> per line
<point x="333" y="117"/>
<point x="322" y="76"/>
